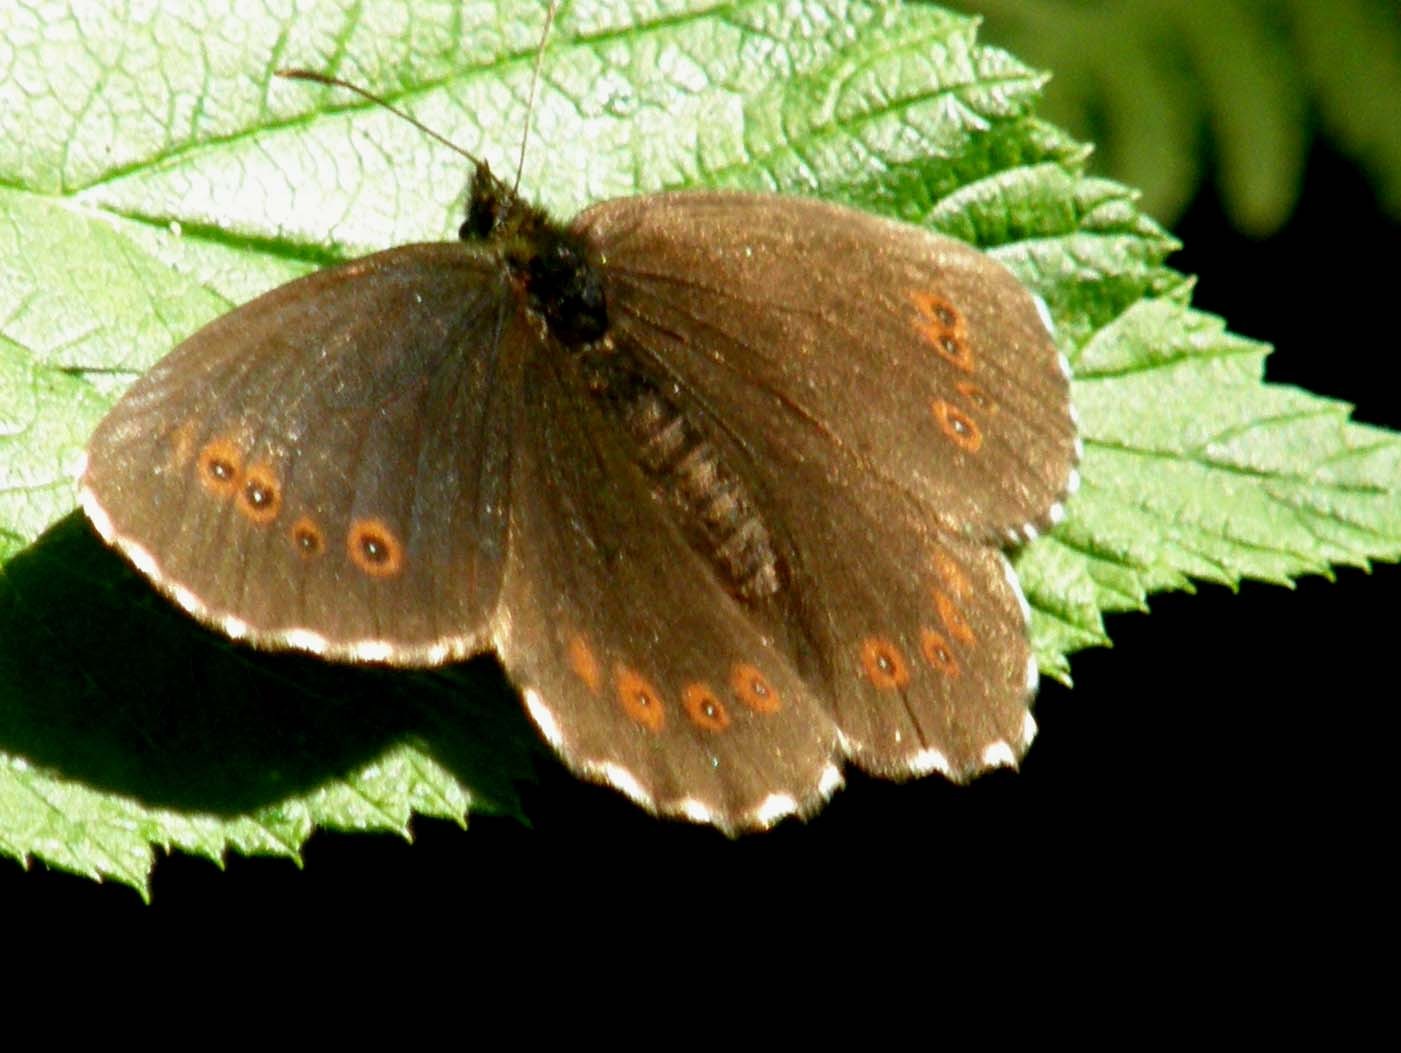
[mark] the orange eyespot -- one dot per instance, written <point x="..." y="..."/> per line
<point x="260" y="498"/>
<point x="373" y="548"/>
<point x="220" y="467"/>
<point x="753" y="688"/>
<point x="307" y="538"/>
<point x="943" y="327"/>
<point x="937" y="653"/>
<point x="639" y="699"/>
<point x="957" y="425"/>
<point x="884" y="664"/>
<point x="704" y="708"/>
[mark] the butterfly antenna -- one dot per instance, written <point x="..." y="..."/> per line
<point x="534" y="84"/>
<point x="336" y="82"/>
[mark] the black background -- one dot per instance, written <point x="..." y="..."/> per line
<point x="1231" y="750"/>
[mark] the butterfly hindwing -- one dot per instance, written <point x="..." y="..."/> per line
<point x="635" y="662"/>
<point x="912" y="638"/>
<point x="925" y="661"/>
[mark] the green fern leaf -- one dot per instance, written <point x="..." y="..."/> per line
<point x="1154" y="81"/>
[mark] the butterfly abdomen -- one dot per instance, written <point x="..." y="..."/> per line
<point x="719" y="513"/>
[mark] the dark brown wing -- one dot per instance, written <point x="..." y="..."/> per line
<point x="898" y="353"/>
<point x="636" y="664"/>
<point x="325" y="468"/>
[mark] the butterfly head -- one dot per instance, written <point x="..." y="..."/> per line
<point x="493" y="208"/>
<point x="551" y="265"/>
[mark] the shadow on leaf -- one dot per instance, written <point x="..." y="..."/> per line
<point x="106" y="683"/>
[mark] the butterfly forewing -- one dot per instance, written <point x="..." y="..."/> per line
<point x="298" y="478"/>
<point x="908" y="355"/>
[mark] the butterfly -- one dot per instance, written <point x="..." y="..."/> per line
<point x="724" y="479"/>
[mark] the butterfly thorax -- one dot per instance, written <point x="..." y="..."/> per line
<point x="549" y="264"/>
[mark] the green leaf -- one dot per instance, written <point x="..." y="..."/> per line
<point x="1153" y="80"/>
<point x="156" y="174"/>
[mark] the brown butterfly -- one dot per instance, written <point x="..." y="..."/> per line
<point x="724" y="479"/>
